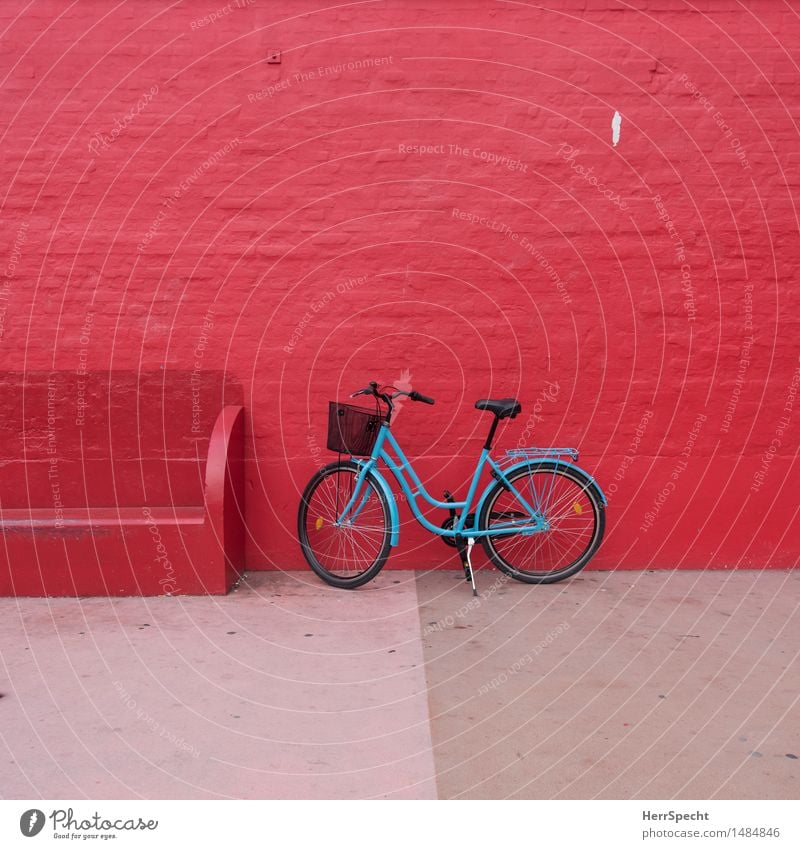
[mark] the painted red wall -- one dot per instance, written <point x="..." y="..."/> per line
<point x="170" y="199"/>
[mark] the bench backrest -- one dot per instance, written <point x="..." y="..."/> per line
<point x="100" y="438"/>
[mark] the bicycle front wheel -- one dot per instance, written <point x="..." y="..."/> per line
<point x="349" y="554"/>
<point x="571" y="505"/>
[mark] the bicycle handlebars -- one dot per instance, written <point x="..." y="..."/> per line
<point x="372" y="389"/>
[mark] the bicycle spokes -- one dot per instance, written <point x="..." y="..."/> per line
<point x="566" y="511"/>
<point x="345" y="548"/>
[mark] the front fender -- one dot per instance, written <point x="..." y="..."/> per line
<point x="593" y="484"/>
<point x="394" y="513"/>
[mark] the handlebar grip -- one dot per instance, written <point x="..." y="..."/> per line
<point x="417" y="396"/>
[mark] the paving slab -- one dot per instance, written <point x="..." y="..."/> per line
<point x="615" y="685"/>
<point x="286" y="688"/>
<point x="610" y="685"/>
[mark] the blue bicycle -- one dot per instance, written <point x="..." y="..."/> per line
<point x="540" y="519"/>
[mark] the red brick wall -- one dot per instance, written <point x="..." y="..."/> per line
<point x="158" y="173"/>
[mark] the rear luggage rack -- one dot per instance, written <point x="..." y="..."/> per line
<point x="534" y="453"/>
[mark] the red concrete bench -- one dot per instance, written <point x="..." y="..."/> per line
<point x="120" y="483"/>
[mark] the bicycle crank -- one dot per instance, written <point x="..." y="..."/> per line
<point x="450" y="522"/>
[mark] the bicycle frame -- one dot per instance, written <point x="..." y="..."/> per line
<point x="400" y="466"/>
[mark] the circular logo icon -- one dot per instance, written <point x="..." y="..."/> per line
<point x="31" y="822"/>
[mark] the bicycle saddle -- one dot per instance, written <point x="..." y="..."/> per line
<point x="501" y="407"/>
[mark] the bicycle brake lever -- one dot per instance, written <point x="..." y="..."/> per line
<point x="367" y="390"/>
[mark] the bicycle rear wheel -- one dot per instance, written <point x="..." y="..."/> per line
<point x="350" y="554"/>
<point x="570" y="503"/>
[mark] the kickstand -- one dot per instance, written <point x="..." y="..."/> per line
<point x="468" y="564"/>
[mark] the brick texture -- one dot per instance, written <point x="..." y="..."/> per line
<point x="430" y="192"/>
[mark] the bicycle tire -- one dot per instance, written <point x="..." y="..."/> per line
<point x="583" y="489"/>
<point x="326" y="552"/>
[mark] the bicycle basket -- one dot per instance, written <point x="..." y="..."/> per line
<point x="352" y="430"/>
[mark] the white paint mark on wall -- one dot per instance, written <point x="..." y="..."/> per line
<point x="616" y="123"/>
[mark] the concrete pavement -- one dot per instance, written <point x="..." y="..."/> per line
<point x="609" y="685"/>
<point x="285" y="688"/>
<point x="616" y="685"/>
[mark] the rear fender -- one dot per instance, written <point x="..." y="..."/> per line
<point x="553" y="464"/>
